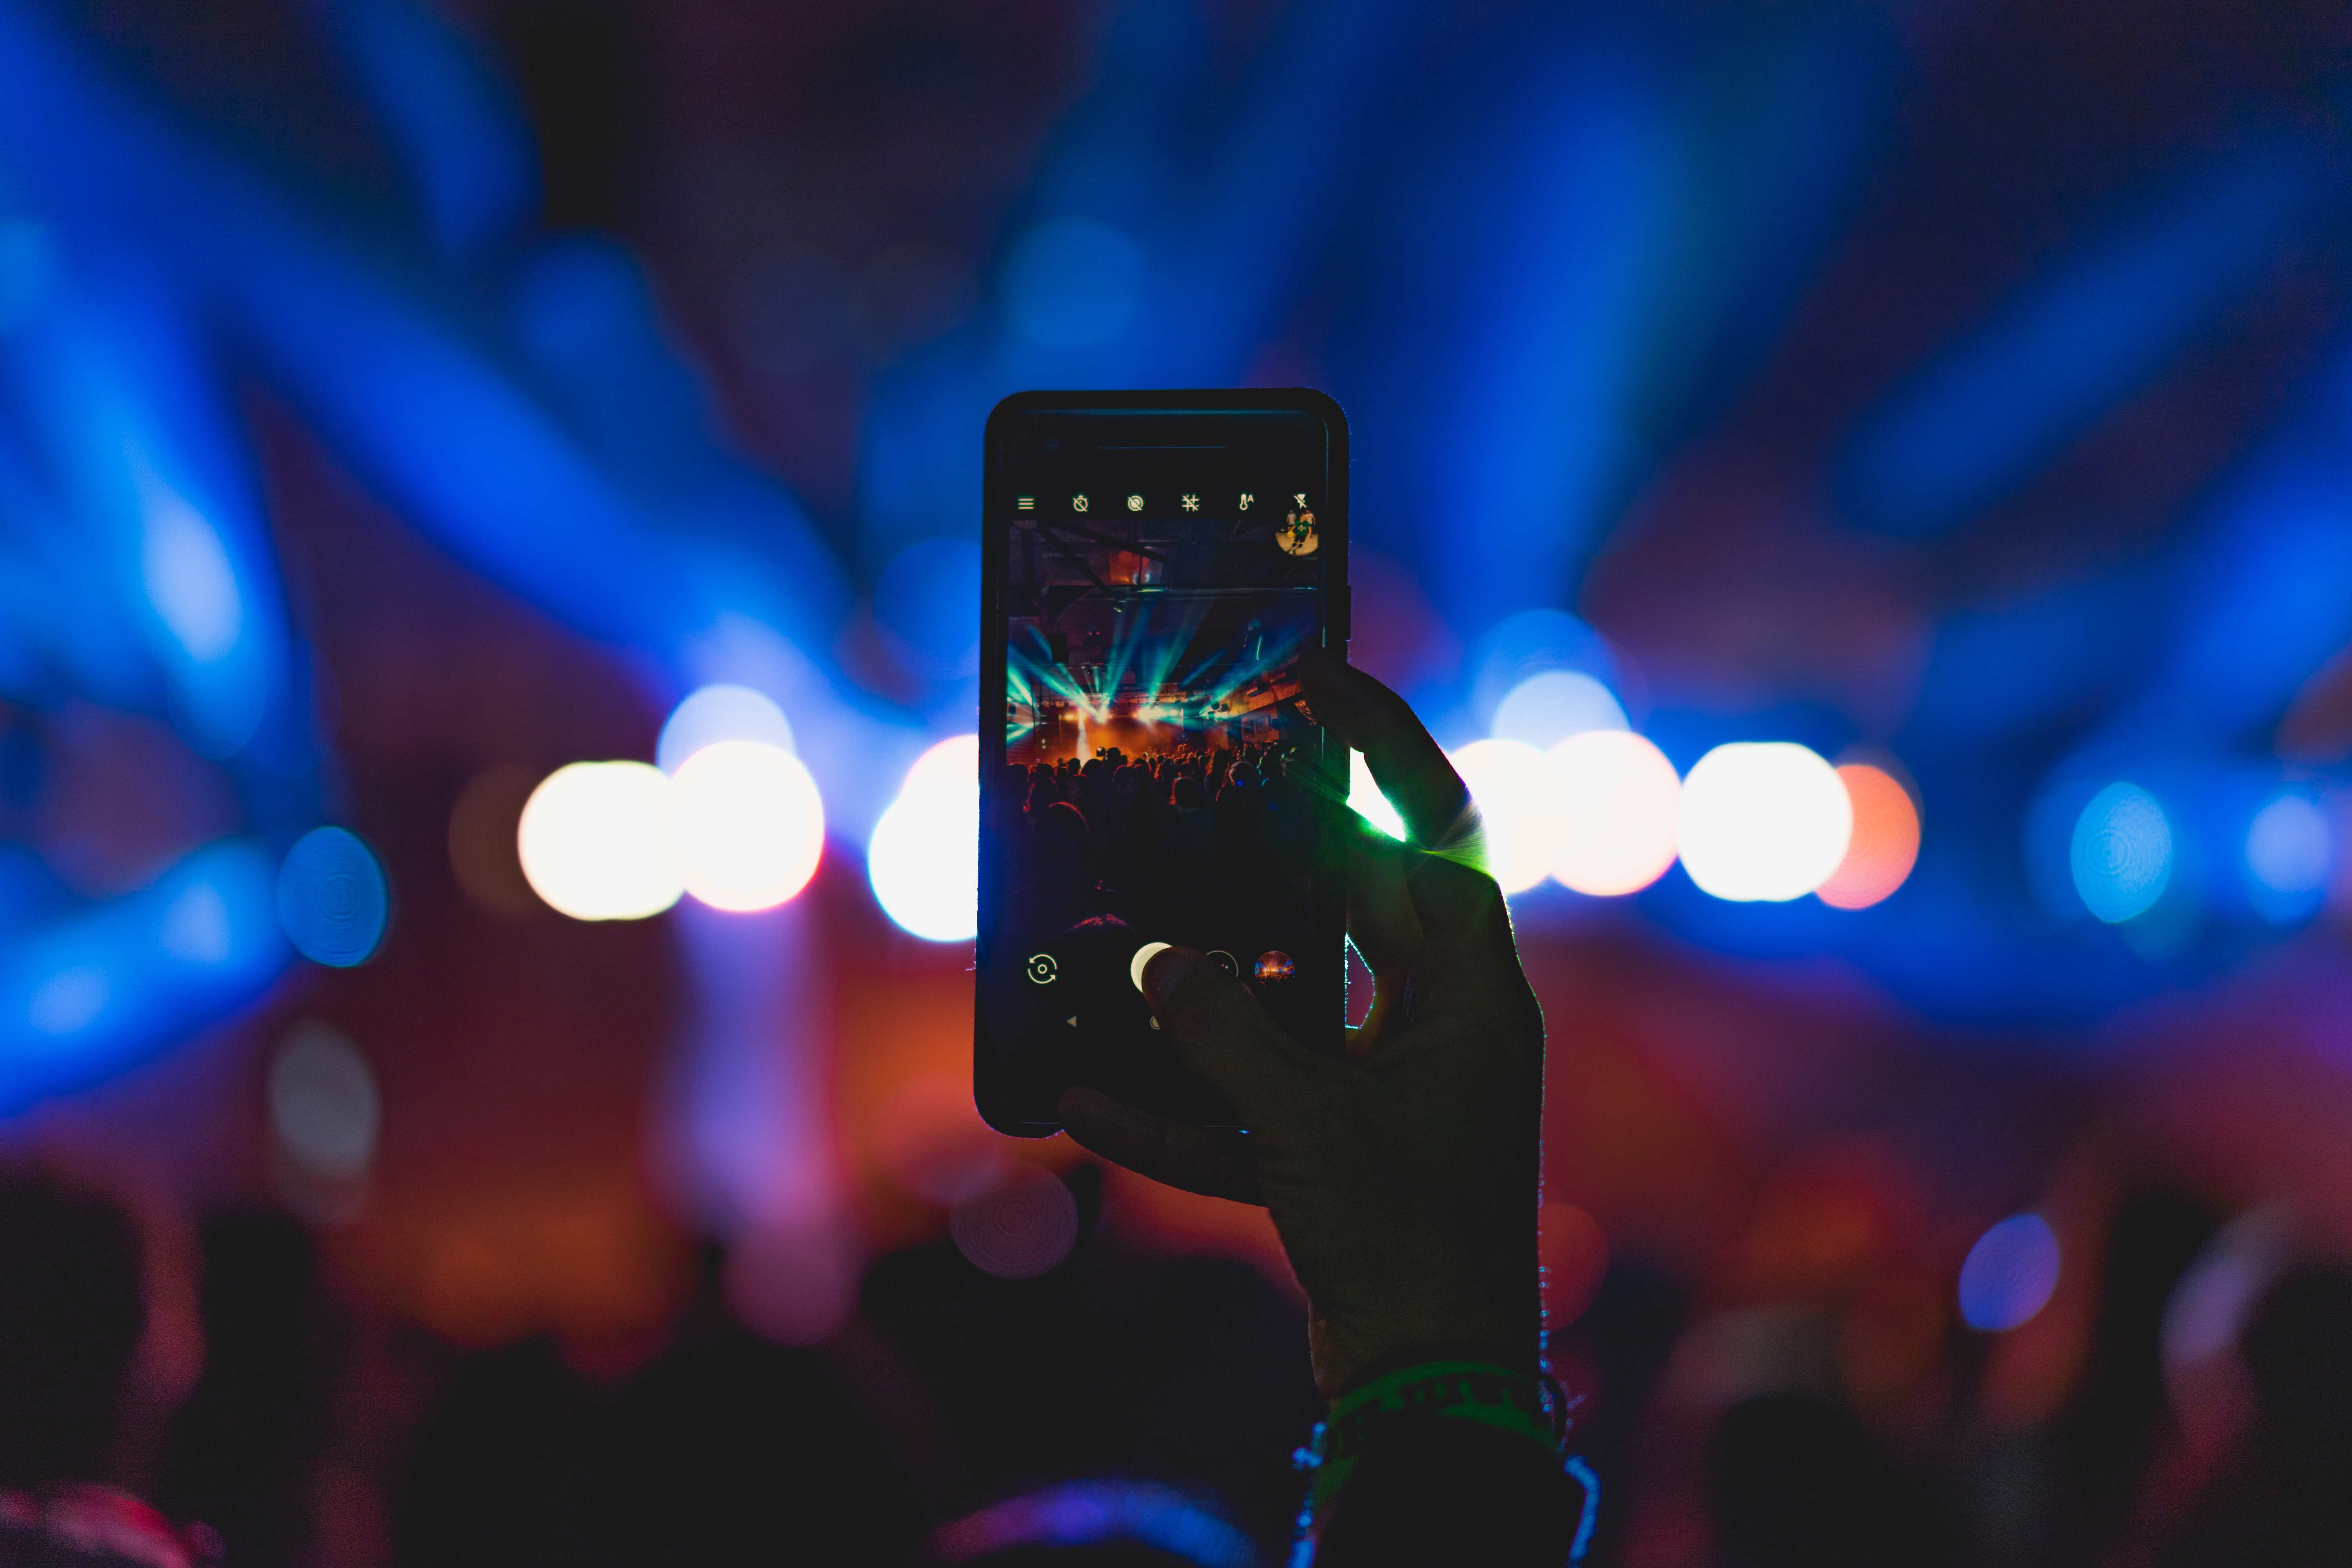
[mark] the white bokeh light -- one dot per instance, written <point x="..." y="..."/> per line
<point x="324" y="1103"/>
<point x="1518" y="801"/>
<point x="747" y="824"/>
<point x="1364" y="798"/>
<point x="1763" y="821"/>
<point x="924" y="858"/>
<point x="596" y="844"/>
<point x="951" y="764"/>
<point x="1619" y="797"/>
<point x="1548" y="708"/>
<point x="715" y="714"/>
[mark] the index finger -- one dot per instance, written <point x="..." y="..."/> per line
<point x="1407" y="763"/>
<point x="1222" y="1033"/>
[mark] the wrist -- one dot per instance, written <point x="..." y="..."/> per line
<point x="1348" y="1349"/>
<point x="1508" y="1358"/>
<point x="1444" y="1384"/>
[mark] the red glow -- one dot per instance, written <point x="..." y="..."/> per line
<point x="1886" y="843"/>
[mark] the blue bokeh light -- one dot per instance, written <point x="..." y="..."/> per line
<point x="1532" y="643"/>
<point x="26" y="268"/>
<point x="2122" y="853"/>
<point x="189" y="578"/>
<point x="1546" y="708"/>
<point x="927" y="599"/>
<point x="1527" y="293"/>
<point x="87" y="991"/>
<point x="437" y="101"/>
<point x="2290" y="851"/>
<point x="333" y="898"/>
<point x="2010" y="1275"/>
<point x="720" y="712"/>
<point x="1072" y="282"/>
<point x="2104" y="320"/>
<point x="1088" y="1513"/>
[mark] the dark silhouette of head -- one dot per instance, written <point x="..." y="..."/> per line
<point x="1797" y="1480"/>
<point x="2297" y="1348"/>
<point x="1062" y="835"/>
<point x="2282" y="1503"/>
<point x="73" y="1309"/>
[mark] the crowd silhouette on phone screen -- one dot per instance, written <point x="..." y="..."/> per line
<point x="1187" y="837"/>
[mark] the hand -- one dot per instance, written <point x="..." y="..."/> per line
<point x="1405" y="1180"/>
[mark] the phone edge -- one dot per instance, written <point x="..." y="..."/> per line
<point x="1337" y="610"/>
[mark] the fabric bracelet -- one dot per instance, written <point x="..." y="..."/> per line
<point x="1483" y="1392"/>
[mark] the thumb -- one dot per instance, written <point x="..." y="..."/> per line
<point x="1222" y="1033"/>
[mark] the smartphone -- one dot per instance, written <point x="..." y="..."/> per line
<point x="1153" y="563"/>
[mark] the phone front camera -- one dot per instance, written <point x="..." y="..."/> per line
<point x="1053" y="443"/>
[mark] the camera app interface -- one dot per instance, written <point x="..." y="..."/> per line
<point x="1160" y="781"/>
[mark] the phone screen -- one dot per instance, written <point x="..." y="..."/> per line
<point x="1151" y="771"/>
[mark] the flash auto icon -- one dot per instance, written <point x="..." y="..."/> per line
<point x="1043" y="969"/>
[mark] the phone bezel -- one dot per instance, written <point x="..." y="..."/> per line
<point x="1333" y="616"/>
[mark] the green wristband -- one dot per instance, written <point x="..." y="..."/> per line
<point x="1483" y="1392"/>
